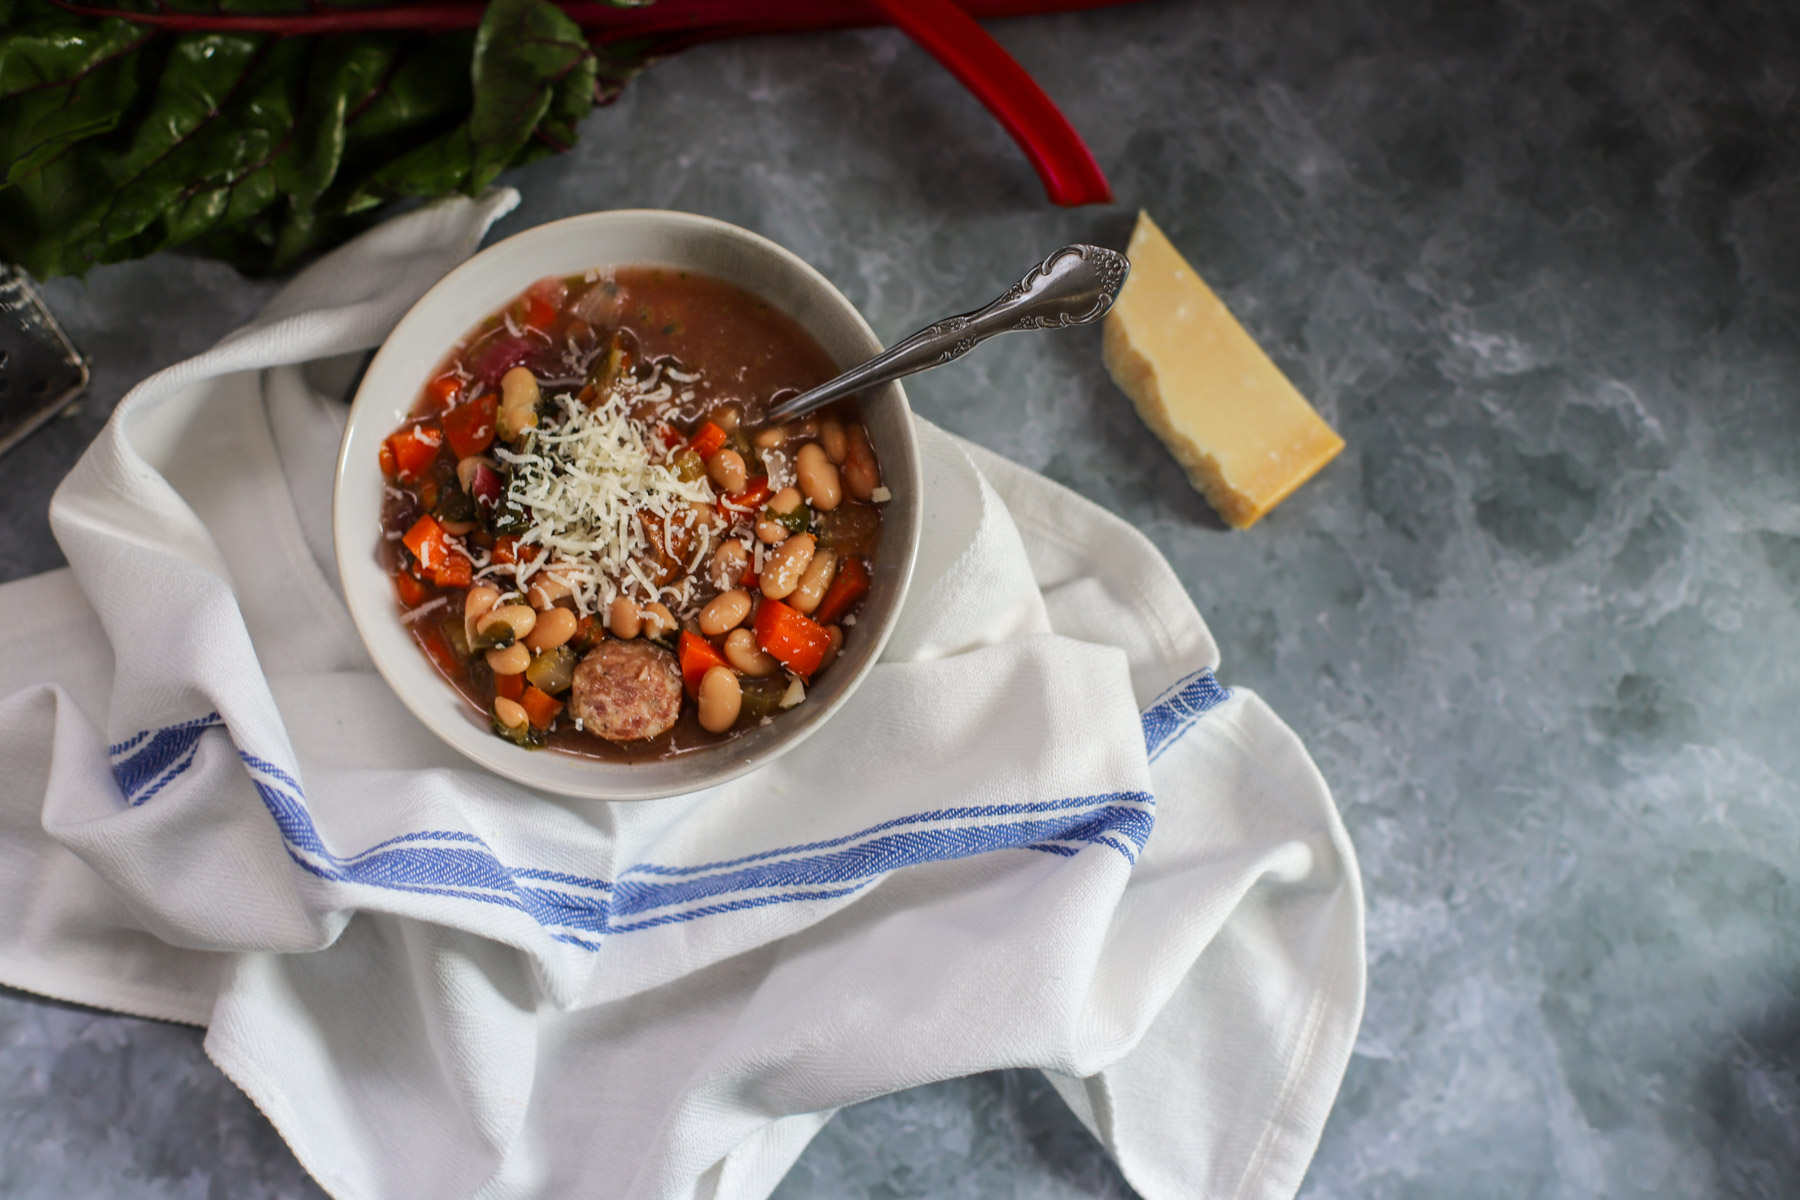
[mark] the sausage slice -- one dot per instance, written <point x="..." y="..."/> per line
<point x="626" y="691"/>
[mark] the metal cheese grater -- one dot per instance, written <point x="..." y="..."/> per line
<point x="41" y="372"/>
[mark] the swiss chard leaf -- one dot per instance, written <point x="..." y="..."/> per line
<point x="571" y="98"/>
<point x="63" y="83"/>
<point x="117" y="139"/>
<point x="523" y="51"/>
<point x="528" y="61"/>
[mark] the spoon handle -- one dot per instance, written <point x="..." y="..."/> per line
<point x="1074" y="286"/>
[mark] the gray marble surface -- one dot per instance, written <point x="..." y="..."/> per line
<point x="1540" y="264"/>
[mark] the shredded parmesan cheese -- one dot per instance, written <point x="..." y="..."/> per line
<point x="587" y="480"/>
<point x="781" y="469"/>
<point x="413" y="614"/>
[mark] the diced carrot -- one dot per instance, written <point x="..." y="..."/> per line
<point x="850" y="586"/>
<point x="507" y="550"/>
<point x="668" y="435"/>
<point x="797" y="641"/>
<point x="586" y="636"/>
<point x="412" y="591"/>
<point x="439" y="558"/>
<point x="415" y="450"/>
<point x="469" y="428"/>
<point x="443" y="392"/>
<point x="707" y="441"/>
<point x="424" y="539"/>
<point x="540" y="706"/>
<point x="510" y="687"/>
<point x="756" y="493"/>
<point x="457" y="570"/>
<point x="698" y="656"/>
<point x="389" y="467"/>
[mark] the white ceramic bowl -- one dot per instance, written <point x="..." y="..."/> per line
<point x="483" y="285"/>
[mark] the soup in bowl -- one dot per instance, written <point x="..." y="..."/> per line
<point x="569" y="539"/>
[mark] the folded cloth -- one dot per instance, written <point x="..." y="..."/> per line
<point x="1040" y="835"/>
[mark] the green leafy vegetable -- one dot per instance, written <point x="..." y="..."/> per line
<point x="798" y="520"/>
<point x="118" y="139"/>
<point x="263" y="131"/>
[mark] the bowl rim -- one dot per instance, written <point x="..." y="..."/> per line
<point x="349" y="535"/>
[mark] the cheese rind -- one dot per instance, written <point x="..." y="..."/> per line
<point x="1245" y="437"/>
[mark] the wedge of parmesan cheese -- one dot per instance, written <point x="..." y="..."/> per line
<point x="1246" y="438"/>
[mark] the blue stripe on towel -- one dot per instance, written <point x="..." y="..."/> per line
<point x="165" y="753"/>
<point x="1120" y="821"/>
<point x="456" y="864"/>
<point x="1176" y="710"/>
<point x="118" y="748"/>
<point x="938" y="814"/>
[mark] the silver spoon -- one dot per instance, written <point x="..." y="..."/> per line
<point x="1074" y="286"/>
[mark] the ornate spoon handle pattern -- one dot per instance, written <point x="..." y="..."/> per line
<point x="1074" y="286"/>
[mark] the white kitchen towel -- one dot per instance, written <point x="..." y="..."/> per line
<point x="1042" y="834"/>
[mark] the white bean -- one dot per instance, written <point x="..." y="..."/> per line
<point x="478" y="603"/>
<point x="814" y="580"/>
<point x="519" y="395"/>
<point x="831" y="651"/>
<point x="511" y="661"/>
<point x="727" y="567"/>
<point x="721" y="699"/>
<point x="510" y="713"/>
<point x="727" y="471"/>
<point x="520" y="619"/>
<point x="832" y="439"/>
<point x="725" y="613"/>
<point x="818" y="478"/>
<point x="781" y="574"/>
<point x="553" y="629"/>
<point x="861" y="473"/>
<point x="658" y="620"/>
<point x="742" y="652"/>
<point x="623" y="619"/>
<point x="545" y="590"/>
